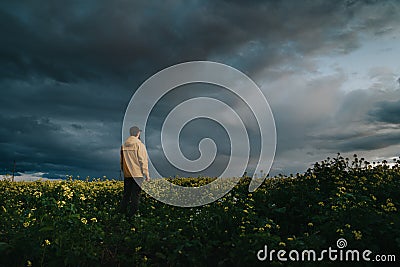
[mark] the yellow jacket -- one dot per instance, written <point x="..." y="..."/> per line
<point x="134" y="161"/>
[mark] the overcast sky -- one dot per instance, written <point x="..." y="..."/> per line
<point x="330" y="71"/>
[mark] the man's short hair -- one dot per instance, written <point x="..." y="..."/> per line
<point x="134" y="130"/>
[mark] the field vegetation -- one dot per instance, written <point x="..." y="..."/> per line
<point x="77" y="223"/>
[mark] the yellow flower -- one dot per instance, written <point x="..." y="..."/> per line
<point x="245" y="211"/>
<point x="268" y="226"/>
<point x="342" y="189"/>
<point x="389" y="206"/>
<point x="282" y="244"/>
<point x="94" y="219"/>
<point x="84" y="220"/>
<point x="340" y="231"/>
<point x="310" y="224"/>
<point x="37" y="194"/>
<point x="373" y="197"/>
<point x="67" y="192"/>
<point x="347" y="225"/>
<point x="321" y="203"/>
<point x="61" y="204"/>
<point x="47" y="242"/>
<point x="357" y="234"/>
<point x="290" y="238"/>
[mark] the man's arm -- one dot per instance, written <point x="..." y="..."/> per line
<point x="142" y="157"/>
<point x="121" y="159"/>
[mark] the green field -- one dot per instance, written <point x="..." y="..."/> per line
<point x="77" y="223"/>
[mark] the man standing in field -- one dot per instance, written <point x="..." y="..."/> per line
<point x="134" y="165"/>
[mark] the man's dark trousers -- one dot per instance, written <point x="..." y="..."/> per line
<point x="131" y="198"/>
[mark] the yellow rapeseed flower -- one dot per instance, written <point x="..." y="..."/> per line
<point x="357" y="234"/>
<point x="37" y="194"/>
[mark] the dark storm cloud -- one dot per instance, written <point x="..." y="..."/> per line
<point x="73" y="41"/>
<point x="78" y="101"/>
<point x="387" y="111"/>
<point x="40" y="144"/>
<point x="68" y="69"/>
<point x="364" y="142"/>
<point x="364" y="122"/>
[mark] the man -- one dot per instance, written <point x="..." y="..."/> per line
<point x="134" y="165"/>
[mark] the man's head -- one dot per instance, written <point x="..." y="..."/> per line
<point x="135" y="131"/>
